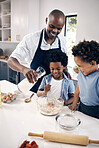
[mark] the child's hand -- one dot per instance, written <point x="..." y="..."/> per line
<point x="47" y="88"/>
<point x="70" y="107"/>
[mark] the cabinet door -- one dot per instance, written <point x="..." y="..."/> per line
<point x="5" y="20"/>
<point x="24" y="18"/>
<point x="21" y="76"/>
<point x="4" y="71"/>
<point x="13" y="76"/>
<point x="0" y="70"/>
<point x="19" y="19"/>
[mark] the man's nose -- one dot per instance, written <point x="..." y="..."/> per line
<point x="55" y="30"/>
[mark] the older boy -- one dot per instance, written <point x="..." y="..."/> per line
<point x="86" y="56"/>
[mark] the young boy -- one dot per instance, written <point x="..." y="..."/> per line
<point x="57" y="84"/>
<point x="86" y="56"/>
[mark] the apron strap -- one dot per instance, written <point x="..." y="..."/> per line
<point x="41" y="36"/>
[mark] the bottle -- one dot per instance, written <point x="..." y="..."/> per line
<point x="9" y="38"/>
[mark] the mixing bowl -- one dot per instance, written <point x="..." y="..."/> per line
<point x="50" y="106"/>
<point x="68" y="121"/>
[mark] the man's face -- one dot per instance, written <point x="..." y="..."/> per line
<point x="56" y="69"/>
<point x="54" y="26"/>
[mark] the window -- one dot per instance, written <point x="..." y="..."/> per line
<point x="70" y="33"/>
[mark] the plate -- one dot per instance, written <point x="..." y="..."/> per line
<point x="67" y="121"/>
<point x="39" y="141"/>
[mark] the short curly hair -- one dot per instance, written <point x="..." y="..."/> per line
<point x="87" y="51"/>
<point x="57" y="56"/>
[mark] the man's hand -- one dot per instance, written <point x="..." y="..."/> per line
<point x="30" y="74"/>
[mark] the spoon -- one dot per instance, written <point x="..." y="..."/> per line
<point x="28" y="99"/>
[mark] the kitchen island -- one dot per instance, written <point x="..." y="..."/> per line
<point x="18" y="118"/>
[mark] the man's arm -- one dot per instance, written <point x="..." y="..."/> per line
<point x="30" y="74"/>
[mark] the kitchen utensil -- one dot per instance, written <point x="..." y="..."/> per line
<point x="65" y="138"/>
<point x="50" y="106"/>
<point x="28" y="99"/>
<point x="67" y="121"/>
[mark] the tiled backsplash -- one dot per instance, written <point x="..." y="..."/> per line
<point x="8" y="47"/>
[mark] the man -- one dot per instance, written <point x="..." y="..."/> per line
<point x="35" y="46"/>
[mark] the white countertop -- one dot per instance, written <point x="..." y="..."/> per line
<point x="3" y="60"/>
<point x="18" y="118"/>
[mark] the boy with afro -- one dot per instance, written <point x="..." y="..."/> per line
<point x="86" y="56"/>
<point x="56" y="84"/>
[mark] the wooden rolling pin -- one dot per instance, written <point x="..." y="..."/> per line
<point x="65" y="138"/>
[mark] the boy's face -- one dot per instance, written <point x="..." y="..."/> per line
<point x="56" y="69"/>
<point x="85" y="67"/>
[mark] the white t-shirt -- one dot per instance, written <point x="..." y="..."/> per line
<point x="55" y="90"/>
<point x="26" y="49"/>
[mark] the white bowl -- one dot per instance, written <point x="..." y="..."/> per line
<point x="68" y="121"/>
<point x="8" y="97"/>
<point x="50" y="106"/>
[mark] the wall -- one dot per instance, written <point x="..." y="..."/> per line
<point x="33" y="16"/>
<point x="86" y="10"/>
<point x="8" y="47"/>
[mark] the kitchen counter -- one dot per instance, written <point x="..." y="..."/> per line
<point x="18" y="118"/>
<point x="3" y="60"/>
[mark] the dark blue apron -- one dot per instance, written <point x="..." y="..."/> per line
<point x="39" y="60"/>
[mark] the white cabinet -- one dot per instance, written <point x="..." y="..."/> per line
<point x="5" y="20"/>
<point x="18" y="18"/>
<point x="24" y="18"/>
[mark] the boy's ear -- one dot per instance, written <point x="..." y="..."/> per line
<point x="93" y="62"/>
<point x="65" y="67"/>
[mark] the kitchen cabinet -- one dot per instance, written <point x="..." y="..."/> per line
<point x="13" y="76"/>
<point x="3" y="71"/>
<point x="21" y="76"/>
<point x="18" y="18"/>
<point x="6" y="73"/>
<point x="24" y="18"/>
<point x="0" y="70"/>
<point x="5" y="20"/>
